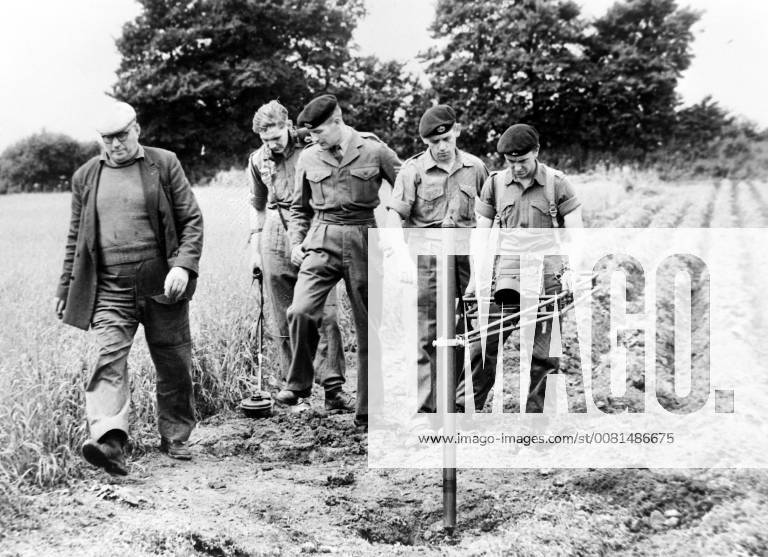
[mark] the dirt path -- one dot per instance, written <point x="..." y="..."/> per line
<point x="299" y="484"/>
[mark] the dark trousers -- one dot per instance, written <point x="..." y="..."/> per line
<point x="334" y="252"/>
<point x="120" y="307"/>
<point x="426" y="360"/>
<point x="280" y="277"/>
<point x="484" y="370"/>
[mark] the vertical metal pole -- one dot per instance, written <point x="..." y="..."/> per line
<point x="448" y="333"/>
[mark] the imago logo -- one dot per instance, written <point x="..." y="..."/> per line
<point x="639" y="330"/>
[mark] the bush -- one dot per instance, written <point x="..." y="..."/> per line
<point x="42" y="162"/>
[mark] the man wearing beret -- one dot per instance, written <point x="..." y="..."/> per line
<point x="135" y="237"/>
<point x="336" y="191"/>
<point x="271" y="173"/>
<point x="526" y="194"/>
<point x="436" y="189"/>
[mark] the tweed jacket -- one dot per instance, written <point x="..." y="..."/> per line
<point x="174" y="215"/>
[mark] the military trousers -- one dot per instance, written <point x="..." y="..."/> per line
<point x="334" y="252"/>
<point x="426" y="360"/>
<point x="280" y="277"/>
<point x="121" y="306"/>
<point x="542" y="364"/>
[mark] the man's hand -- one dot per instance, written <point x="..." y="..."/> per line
<point x="59" y="305"/>
<point x="256" y="267"/>
<point x="297" y="255"/>
<point x="255" y="253"/>
<point x="176" y="283"/>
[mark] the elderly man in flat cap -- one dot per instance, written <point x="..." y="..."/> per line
<point x="271" y="173"/>
<point x="336" y="190"/>
<point x="436" y="189"/>
<point x="135" y="237"/>
<point x="526" y="194"/>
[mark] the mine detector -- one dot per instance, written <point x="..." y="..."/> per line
<point x="505" y="290"/>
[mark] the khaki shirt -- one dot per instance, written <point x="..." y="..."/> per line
<point x="272" y="177"/>
<point x="425" y="195"/>
<point x="519" y="207"/>
<point x="345" y="192"/>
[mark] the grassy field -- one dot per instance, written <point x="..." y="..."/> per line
<point x="44" y="365"/>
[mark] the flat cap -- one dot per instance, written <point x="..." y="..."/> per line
<point x="436" y="120"/>
<point x="115" y="118"/>
<point x="317" y="111"/>
<point x="518" y="140"/>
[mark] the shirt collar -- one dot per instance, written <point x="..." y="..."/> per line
<point x="458" y="161"/>
<point x="346" y="138"/>
<point x="105" y="157"/>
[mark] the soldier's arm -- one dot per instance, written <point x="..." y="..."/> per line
<point x="257" y="212"/>
<point x="485" y="211"/>
<point x="390" y="164"/>
<point x="258" y="194"/>
<point x="482" y="176"/>
<point x="62" y="289"/>
<point x="188" y="219"/>
<point x="402" y="198"/>
<point x="568" y="204"/>
<point x="301" y="211"/>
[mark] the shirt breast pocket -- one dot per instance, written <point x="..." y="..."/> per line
<point x="539" y="214"/>
<point x="319" y="184"/>
<point x="430" y="201"/>
<point x="365" y="184"/>
<point x="509" y="216"/>
<point x="467" y="194"/>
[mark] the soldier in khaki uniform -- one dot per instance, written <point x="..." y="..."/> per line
<point x="271" y="173"/>
<point x="517" y="197"/>
<point x="436" y="189"/>
<point x="336" y="191"/>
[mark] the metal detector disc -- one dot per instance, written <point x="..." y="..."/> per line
<point x="258" y="405"/>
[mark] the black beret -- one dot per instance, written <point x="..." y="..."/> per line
<point x="436" y="120"/>
<point x="518" y="140"/>
<point x="317" y="111"/>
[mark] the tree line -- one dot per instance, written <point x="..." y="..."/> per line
<point x="598" y="89"/>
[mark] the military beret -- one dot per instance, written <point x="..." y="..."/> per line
<point x="518" y="140"/>
<point x="116" y="118"/>
<point x="317" y="111"/>
<point x="436" y="120"/>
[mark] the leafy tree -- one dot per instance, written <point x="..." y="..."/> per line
<point x="639" y="50"/>
<point x="196" y="70"/>
<point x="42" y="162"/>
<point x="509" y="61"/>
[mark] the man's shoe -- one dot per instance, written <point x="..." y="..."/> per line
<point x="339" y="402"/>
<point x="175" y="449"/>
<point x="290" y="398"/>
<point x="106" y="456"/>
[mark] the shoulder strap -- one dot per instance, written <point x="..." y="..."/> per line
<point x="549" y="193"/>
<point x="419" y="178"/>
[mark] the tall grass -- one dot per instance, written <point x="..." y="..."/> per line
<point x="44" y="365"/>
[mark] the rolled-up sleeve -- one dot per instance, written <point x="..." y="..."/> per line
<point x="566" y="196"/>
<point x="258" y="189"/>
<point x="485" y="205"/>
<point x="404" y="192"/>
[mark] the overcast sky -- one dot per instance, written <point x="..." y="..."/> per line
<point x="57" y="57"/>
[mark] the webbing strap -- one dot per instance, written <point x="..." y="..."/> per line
<point x="549" y="193"/>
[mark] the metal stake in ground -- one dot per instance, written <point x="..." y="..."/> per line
<point x="259" y="404"/>
<point x="446" y="344"/>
